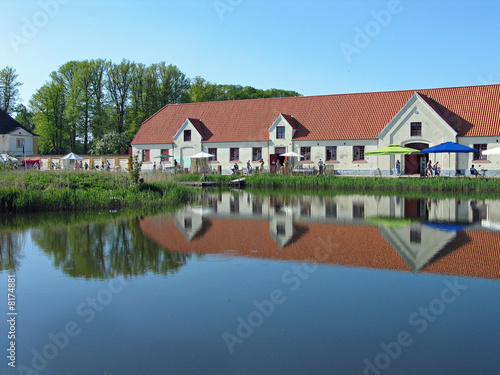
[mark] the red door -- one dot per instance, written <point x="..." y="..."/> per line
<point x="273" y="160"/>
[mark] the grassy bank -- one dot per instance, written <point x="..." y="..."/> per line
<point x="438" y="184"/>
<point x="73" y="191"/>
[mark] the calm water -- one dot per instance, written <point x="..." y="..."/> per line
<point x="250" y="284"/>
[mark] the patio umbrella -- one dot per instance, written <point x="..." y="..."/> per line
<point x="292" y="154"/>
<point x="72" y="156"/>
<point x="448" y="147"/>
<point x="492" y="151"/>
<point x="393" y="149"/>
<point x="202" y="155"/>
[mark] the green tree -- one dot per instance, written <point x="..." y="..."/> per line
<point x="25" y="117"/>
<point x="118" y="84"/>
<point x="9" y="92"/>
<point x="48" y="106"/>
<point x="110" y="143"/>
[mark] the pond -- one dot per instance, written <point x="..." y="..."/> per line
<point x="246" y="283"/>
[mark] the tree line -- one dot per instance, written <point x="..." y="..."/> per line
<point x="97" y="106"/>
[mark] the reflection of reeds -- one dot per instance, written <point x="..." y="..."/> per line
<point x="35" y="191"/>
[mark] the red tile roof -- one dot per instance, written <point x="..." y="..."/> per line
<point x="472" y="111"/>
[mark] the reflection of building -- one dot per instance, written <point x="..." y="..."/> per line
<point x="331" y="230"/>
<point x="338" y="129"/>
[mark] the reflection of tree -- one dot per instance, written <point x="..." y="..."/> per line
<point x="10" y="250"/>
<point x="106" y="250"/>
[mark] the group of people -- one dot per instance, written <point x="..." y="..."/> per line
<point x="236" y="167"/>
<point x="432" y="169"/>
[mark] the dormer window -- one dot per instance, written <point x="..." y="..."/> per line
<point x="280" y="132"/>
<point x="187" y="135"/>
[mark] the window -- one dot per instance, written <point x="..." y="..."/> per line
<point x="358" y="153"/>
<point x="212" y="151"/>
<point x="256" y="153"/>
<point x="187" y="135"/>
<point x="20" y="142"/>
<point x="280" y="229"/>
<point x="331" y="153"/>
<point x="306" y="153"/>
<point x="145" y="155"/>
<point x="416" y="129"/>
<point x="165" y="151"/>
<point x="256" y="207"/>
<point x="234" y="204"/>
<point x="279" y="150"/>
<point x="331" y="209"/>
<point x="415" y="236"/>
<point x="234" y="154"/>
<point x="188" y="223"/>
<point x="480" y="148"/>
<point x="280" y="132"/>
<point x="358" y="210"/>
<point x="305" y="209"/>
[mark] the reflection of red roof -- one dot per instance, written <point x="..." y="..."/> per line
<point x="477" y="254"/>
<point x="473" y="253"/>
<point x="472" y="111"/>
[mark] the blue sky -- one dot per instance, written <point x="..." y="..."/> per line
<point x="314" y="47"/>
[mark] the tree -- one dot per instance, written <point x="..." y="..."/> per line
<point x="48" y="105"/>
<point x="9" y="92"/>
<point x="111" y="143"/>
<point x="205" y="91"/>
<point x="25" y="117"/>
<point x="118" y="83"/>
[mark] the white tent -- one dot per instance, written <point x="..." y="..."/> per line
<point x="71" y="156"/>
<point x="7" y="157"/>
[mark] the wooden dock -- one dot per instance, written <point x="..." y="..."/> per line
<point x="199" y="183"/>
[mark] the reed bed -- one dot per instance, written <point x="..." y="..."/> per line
<point x="75" y="191"/>
<point x="436" y="184"/>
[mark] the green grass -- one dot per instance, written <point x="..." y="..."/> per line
<point x="74" y="191"/>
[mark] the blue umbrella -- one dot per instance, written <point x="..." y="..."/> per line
<point x="446" y="227"/>
<point x="448" y="147"/>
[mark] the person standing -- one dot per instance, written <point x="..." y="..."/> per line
<point x="437" y="170"/>
<point x="428" y="171"/>
<point x="398" y="168"/>
<point x="320" y="164"/>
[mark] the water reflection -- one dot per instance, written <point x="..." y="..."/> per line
<point x="106" y="250"/>
<point x="444" y="236"/>
<point x="10" y="245"/>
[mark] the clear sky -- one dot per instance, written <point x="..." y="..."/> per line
<point x="314" y="47"/>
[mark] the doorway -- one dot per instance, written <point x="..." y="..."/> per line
<point x="416" y="164"/>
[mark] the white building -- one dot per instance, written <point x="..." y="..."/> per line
<point x="338" y="129"/>
<point x="15" y="139"/>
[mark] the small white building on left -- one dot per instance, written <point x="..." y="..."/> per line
<point x="16" y="139"/>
